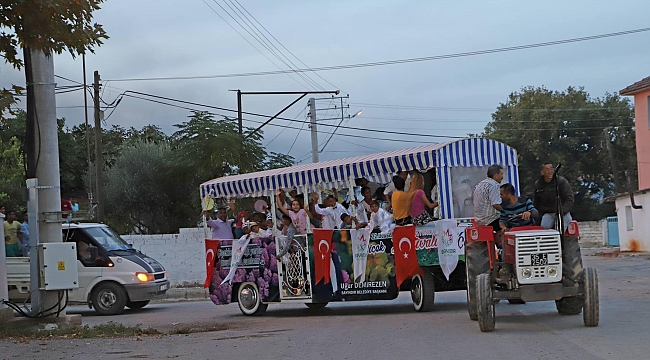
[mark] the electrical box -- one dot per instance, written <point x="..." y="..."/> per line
<point x="58" y="266"/>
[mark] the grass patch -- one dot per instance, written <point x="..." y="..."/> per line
<point x="108" y="330"/>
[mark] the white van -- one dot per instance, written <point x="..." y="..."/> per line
<point x="112" y="274"/>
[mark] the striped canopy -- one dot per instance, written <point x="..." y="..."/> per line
<point x="378" y="167"/>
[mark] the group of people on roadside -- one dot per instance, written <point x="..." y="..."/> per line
<point x="16" y="233"/>
<point x="497" y="204"/>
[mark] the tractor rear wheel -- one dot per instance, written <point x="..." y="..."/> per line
<point x="477" y="261"/>
<point x="485" y="304"/>
<point x="591" y="312"/>
<point x="572" y="273"/>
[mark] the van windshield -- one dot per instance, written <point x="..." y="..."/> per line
<point x="107" y="238"/>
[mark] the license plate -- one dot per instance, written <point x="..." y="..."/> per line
<point x="539" y="259"/>
<point x="164" y="287"/>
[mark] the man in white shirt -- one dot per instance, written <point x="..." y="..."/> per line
<point x="332" y="213"/>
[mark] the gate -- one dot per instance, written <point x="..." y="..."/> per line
<point x="612" y="231"/>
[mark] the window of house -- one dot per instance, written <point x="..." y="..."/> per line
<point x="628" y="218"/>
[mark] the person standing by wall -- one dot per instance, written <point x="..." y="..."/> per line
<point x="418" y="212"/>
<point x="12" y="235"/>
<point x="24" y="231"/>
<point x="401" y="202"/>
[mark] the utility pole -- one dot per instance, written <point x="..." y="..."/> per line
<point x="608" y="143"/>
<point x="314" y="133"/>
<point x="99" y="159"/>
<point x="4" y="291"/>
<point x="239" y="113"/>
<point x="90" y="170"/>
<point x="46" y="144"/>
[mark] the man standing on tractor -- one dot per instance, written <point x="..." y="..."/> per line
<point x="546" y="195"/>
<point x="516" y="211"/>
<point x="487" y="199"/>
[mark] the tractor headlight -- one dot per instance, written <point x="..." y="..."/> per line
<point x="551" y="271"/>
<point x="526" y="273"/>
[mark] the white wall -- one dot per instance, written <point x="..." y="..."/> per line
<point x="638" y="238"/>
<point x="182" y="255"/>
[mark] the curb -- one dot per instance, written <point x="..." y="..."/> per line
<point x="185" y="294"/>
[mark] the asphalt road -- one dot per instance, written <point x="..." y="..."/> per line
<point x="379" y="330"/>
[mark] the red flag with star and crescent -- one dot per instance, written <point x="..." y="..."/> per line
<point x="211" y="247"/>
<point x="322" y="254"/>
<point x="406" y="260"/>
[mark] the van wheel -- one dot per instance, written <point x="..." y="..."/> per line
<point x="109" y="298"/>
<point x="137" y="304"/>
<point x="249" y="299"/>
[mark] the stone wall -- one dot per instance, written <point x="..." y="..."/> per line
<point x="593" y="233"/>
<point x="182" y="254"/>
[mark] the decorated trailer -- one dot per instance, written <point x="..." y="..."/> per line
<point x="355" y="265"/>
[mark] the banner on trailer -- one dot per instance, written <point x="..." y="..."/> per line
<point x="322" y="254"/>
<point x="236" y="255"/>
<point x="360" y="241"/>
<point x="257" y="265"/>
<point x="211" y="247"/>
<point x="406" y="260"/>
<point x="449" y="247"/>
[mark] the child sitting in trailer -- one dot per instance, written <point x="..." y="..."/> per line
<point x="381" y="219"/>
<point x="346" y="221"/>
<point x="298" y="215"/>
<point x="288" y="230"/>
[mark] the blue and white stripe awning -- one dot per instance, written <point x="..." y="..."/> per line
<point x="378" y="167"/>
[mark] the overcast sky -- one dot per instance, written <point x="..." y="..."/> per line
<point x="164" y="38"/>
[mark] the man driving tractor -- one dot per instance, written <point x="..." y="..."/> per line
<point x="516" y="210"/>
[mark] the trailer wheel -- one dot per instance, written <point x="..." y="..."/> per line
<point x="248" y="297"/>
<point x="477" y="261"/>
<point x="485" y="307"/>
<point x="591" y="312"/>
<point x="423" y="291"/>
<point x="316" y="306"/>
<point x="137" y="304"/>
<point x="572" y="273"/>
<point x="109" y="298"/>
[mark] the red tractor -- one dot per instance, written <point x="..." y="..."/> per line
<point x="536" y="265"/>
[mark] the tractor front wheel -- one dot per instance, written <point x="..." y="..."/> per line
<point x="485" y="308"/>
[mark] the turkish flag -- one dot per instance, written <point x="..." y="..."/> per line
<point x="322" y="254"/>
<point x="211" y="247"/>
<point x="406" y="260"/>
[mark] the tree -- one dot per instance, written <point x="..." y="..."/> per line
<point x="11" y="171"/>
<point x="49" y="26"/>
<point x="146" y="190"/>
<point x="567" y="127"/>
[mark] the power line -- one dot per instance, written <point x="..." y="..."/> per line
<point x="400" y="61"/>
<point x="436" y="108"/>
<point x="401" y="119"/>
<point x="267" y="43"/>
<point x="289" y="127"/>
<point x="240" y="34"/>
<point x="284" y="47"/>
